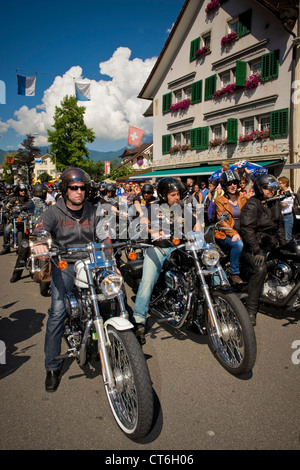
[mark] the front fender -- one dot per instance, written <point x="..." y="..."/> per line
<point x="119" y="323"/>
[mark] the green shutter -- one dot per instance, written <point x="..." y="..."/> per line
<point x="210" y="87"/>
<point x="279" y="123"/>
<point x="232" y="131"/>
<point x="270" y="65"/>
<point x="197" y="92"/>
<point x="240" y="73"/>
<point x="195" y="45"/>
<point x="166" y="143"/>
<point x="167" y="101"/>
<point x="244" y="25"/>
<point x="199" y="138"/>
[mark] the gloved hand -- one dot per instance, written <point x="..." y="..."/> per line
<point x="259" y="259"/>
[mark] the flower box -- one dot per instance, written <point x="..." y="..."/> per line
<point x="140" y="162"/>
<point x="215" y="142"/>
<point x="254" y="135"/>
<point x="185" y="104"/>
<point x="202" y="51"/>
<point x="180" y="148"/>
<point x="228" y="38"/>
<point x="226" y="90"/>
<point x="212" y="6"/>
<point x="252" y="81"/>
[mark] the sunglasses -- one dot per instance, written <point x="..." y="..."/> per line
<point x="75" y="188"/>
<point x="147" y="192"/>
<point x="230" y="184"/>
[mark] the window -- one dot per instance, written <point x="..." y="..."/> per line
<point x="255" y="66"/>
<point x="241" y="25"/>
<point x="217" y="131"/>
<point x="206" y="40"/>
<point x="270" y="65"/>
<point x="166" y="143"/>
<point x="264" y="123"/>
<point x="248" y="125"/>
<point x="196" y="92"/>
<point x="232" y="131"/>
<point x="195" y="45"/>
<point x="177" y="139"/>
<point x="199" y="138"/>
<point x="225" y="78"/>
<point x="210" y="87"/>
<point x="167" y="101"/>
<point x="279" y="124"/>
<point x="178" y="96"/>
<point x="188" y="93"/>
<point x="187" y="138"/>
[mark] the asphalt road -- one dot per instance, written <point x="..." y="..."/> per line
<point x="199" y="406"/>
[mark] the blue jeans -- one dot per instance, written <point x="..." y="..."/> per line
<point x="288" y="222"/>
<point x="235" y="249"/>
<point x="61" y="284"/>
<point x="153" y="263"/>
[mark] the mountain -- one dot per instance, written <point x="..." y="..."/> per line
<point x="95" y="155"/>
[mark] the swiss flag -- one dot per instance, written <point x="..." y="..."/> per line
<point x="107" y="167"/>
<point x="135" y="136"/>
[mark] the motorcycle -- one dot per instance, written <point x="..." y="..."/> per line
<point x="21" y="226"/>
<point x="97" y="323"/>
<point x="193" y="290"/>
<point x="281" y="287"/>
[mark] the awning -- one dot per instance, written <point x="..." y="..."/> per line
<point x="204" y="170"/>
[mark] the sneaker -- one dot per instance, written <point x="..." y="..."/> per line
<point x="140" y="333"/>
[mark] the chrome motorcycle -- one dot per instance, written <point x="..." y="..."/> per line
<point x="97" y="323"/>
<point x="193" y="290"/>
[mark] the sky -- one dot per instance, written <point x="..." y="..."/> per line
<point x="112" y="44"/>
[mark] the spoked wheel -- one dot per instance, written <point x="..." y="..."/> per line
<point x="236" y="348"/>
<point x="131" y="399"/>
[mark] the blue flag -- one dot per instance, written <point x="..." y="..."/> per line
<point x="82" y="91"/>
<point x="26" y="85"/>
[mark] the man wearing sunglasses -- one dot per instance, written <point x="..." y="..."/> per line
<point x="262" y="230"/>
<point x="71" y="222"/>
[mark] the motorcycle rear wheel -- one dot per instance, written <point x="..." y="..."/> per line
<point x="236" y="348"/>
<point x="131" y="399"/>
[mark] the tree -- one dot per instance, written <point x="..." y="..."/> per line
<point x="68" y="140"/>
<point x="24" y="159"/>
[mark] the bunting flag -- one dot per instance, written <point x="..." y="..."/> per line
<point x="26" y="85"/>
<point x="135" y="136"/>
<point x="83" y="91"/>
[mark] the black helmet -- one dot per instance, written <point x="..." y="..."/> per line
<point x="229" y="176"/>
<point x="265" y="182"/>
<point x="147" y="188"/>
<point x="74" y="175"/>
<point x="168" y="184"/>
<point x="110" y="187"/>
<point x="39" y="190"/>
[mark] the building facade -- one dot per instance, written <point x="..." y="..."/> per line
<point x="222" y="88"/>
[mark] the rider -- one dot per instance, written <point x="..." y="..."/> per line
<point x="262" y="229"/>
<point x="35" y="207"/>
<point x="20" y="200"/>
<point x="144" y="199"/>
<point x="71" y="223"/>
<point x="231" y="203"/>
<point x="160" y="217"/>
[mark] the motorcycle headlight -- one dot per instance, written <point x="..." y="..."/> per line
<point x="210" y="257"/>
<point x="111" y="285"/>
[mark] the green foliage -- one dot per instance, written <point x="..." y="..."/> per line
<point x="68" y="140"/>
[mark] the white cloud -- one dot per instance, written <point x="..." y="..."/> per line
<point x="113" y="106"/>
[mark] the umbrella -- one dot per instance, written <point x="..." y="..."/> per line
<point x="255" y="169"/>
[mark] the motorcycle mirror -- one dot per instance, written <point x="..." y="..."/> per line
<point x="287" y="193"/>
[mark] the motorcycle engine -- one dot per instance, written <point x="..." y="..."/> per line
<point x="78" y="306"/>
<point x="280" y="282"/>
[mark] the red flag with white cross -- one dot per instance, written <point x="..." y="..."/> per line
<point x="135" y="136"/>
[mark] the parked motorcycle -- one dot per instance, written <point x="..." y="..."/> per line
<point x="193" y="290"/>
<point x="97" y="322"/>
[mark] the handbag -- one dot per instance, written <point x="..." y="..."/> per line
<point x="44" y="274"/>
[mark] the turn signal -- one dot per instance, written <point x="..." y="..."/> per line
<point x="176" y="241"/>
<point x="132" y="255"/>
<point x="63" y="264"/>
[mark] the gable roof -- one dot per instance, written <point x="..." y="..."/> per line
<point x="285" y="10"/>
<point x="136" y="151"/>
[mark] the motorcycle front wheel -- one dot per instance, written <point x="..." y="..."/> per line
<point x="131" y="398"/>
<point x="235" y="349"/>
